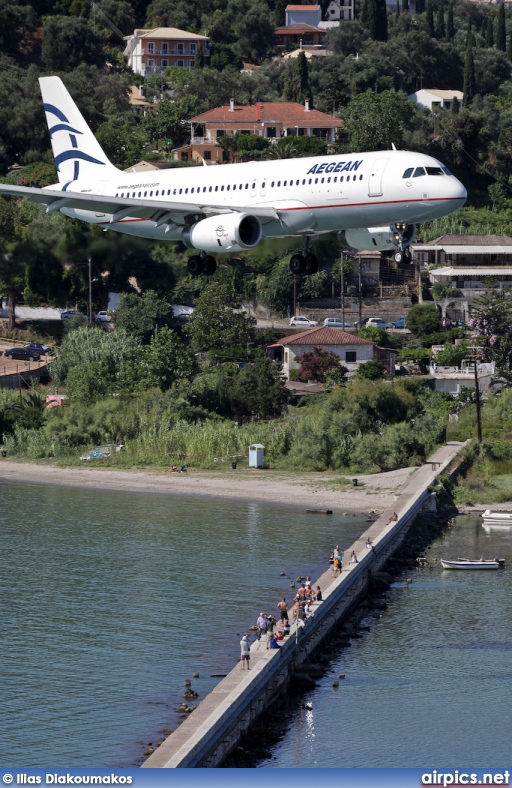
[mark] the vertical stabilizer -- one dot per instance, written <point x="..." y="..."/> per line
<point x="75" y="148"/>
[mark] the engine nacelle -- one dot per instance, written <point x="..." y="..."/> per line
<point x="231" y="232"/>
<point x="379" y="237"/>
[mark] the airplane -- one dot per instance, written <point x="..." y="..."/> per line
<point x="373" y="200"/>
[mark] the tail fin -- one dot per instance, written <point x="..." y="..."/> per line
<point x="75" y="148"/>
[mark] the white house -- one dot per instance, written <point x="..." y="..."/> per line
<point x="434" y="99"/>
<point x="152" y="51"/>
<point x="351" y="349"/>
<point x="339" y="10"/>
<point x="303" y="14"/>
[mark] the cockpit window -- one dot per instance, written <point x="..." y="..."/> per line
<point x="418" y="172"/>
<point x="434" y="171"/>
<point x="446" y="170"/>
<point x="408" y="172"/>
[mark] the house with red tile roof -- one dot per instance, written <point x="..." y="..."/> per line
<point x="351" y="349"/>
<point x="269" y="119"/>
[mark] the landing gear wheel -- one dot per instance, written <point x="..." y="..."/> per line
<point x="195" y="265"/>
<point x="297" y="264"/>
<point x="209" y="265"/>
<point x="399" y="257"/>
<point x="311" y="265"/>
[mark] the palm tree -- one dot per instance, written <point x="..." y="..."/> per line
<point x="284" y="149"/>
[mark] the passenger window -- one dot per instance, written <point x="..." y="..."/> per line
<point x="228" y="187"/>
<point x="192" y="191"/>
<point x="204" y="189"/>
<point x="222" y="188"/>
<point x="133" y="194"/>
<point x="297" y="183"/>
<point x="434" y="171"/>
<point x="360" y="177"/>
<point x="145" y="194"/>
<point x="328" y="180"/>
<point x="408" y="172"/>
<point x="322" y="180"/>
<point x="168" y="191"/>
<point x="284" y="183"/>
<point x="304" y="182"/>
<point x="150" y="194"/>
<point x="210" y="189"/>
<point x="263" y="185"/>
<point x="341" y="178"/>
<point x="139" y="194"/>
<point x="316" y="180"/>
<point x="279" y="183"/>
<point x="418" y="172"/>
<point x="246" y="185"/>
<point x="272" y="184"/>
<point x="156" y="194"/>
<point x="254" y="186"/>
<point x="234" y="187"/>
<point x="186" y="190"/>
<point x="181" y="191"/>
<point x="216" y="188"/>
<point x="174" y="192"/>
<point x="335" y="179"/>
<point x="310" y="180"/>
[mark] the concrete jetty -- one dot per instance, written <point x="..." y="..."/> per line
<point x="214" y="728"/>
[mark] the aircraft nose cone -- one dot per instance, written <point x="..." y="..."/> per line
<point x="455" y="190"/>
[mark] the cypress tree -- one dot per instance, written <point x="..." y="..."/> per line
<point x="501" y="32"/>
<point x="377" y="19"/>
<point x="489" y="32"/>
<point x="509" y="48"/>
<point x="450" y="28"/>
<point x="455" y="105"/>
<point x="296" y="87"/>
<point x="199" y="58"/>
<point x="397" y="9"/>
<point x="405" y="6"/>
<point x="440" y="26"/>
<point x="430" y="18"/>
<point x="420" y="6"/>
<point x="470" y="38"/>
<point x="469" y="78"/>
<point x="383" y="20"/>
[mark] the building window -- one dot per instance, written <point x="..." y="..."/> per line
<point x="208" y="155"/>
<point x="271" y="131"/>
<point x="165" y="63"/>
<point x="193" y="49"/>
<point x="350" y="356"/>
<point x="180" y="49"/>
<point x="165" y="49"/>
<point x="151" y="48"/>
<point x="184" y="157"/>
<point x="180" y="63"/>
<point x="220" y="132"/>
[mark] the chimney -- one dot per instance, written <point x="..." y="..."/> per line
<point x="306" y="105"/>
<point x="231" y="104"/>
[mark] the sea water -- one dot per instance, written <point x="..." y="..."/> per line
<point x="110" y="600"/>
<point x="430" y="685"/>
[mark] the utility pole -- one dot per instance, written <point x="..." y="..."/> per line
<point x="360" y="294"/>
<point x="295" y="294"/>
<point x="90" y="291"/>
<point x="342" y="280"/>
<point x="477" y="402"/>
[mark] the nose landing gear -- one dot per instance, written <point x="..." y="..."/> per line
<point x="201" y="264"/>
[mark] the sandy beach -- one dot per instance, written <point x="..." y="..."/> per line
<point x="376" y="492"/>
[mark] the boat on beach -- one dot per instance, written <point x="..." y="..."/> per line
<point x="468" y="563"/>
<point x="497" y="518"/>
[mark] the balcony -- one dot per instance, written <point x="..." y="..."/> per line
<point x="172" y="51"/>
<point x="160" y="69"/>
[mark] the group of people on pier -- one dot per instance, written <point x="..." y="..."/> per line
<point x="275" y="631"/>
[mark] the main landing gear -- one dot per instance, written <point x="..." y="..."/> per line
<point x="305" y="263"/>
<point x="201" y="264"/>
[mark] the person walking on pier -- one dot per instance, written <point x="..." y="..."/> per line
<point x="244" y="652"/>
<point x="261" y="624"/>
<point x="336" y="567"/>
<point x="283" y="607"/>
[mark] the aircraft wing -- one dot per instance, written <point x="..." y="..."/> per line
<point x="121" y="207"/>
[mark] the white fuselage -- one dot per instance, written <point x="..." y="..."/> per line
<point x="312" y="195"/>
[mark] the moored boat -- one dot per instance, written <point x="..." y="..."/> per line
<point x="468" y="563"/>
<point x="497" y="518"/>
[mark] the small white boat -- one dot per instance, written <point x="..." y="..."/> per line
<point x="494" y="528"/>
<point x="497" y="518"/>
<point x="467" y="563"/>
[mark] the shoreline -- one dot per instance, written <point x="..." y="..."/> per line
<point x="312" y="490"/>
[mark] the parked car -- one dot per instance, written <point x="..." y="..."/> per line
<point x="378" y="322"/>
<point x="69" y="314"/>
<point x="44" y="350"/>
<point x="400" y="323"/>
<point x="305" y="322"/>
<point x="336" y="322"/>
<point x="22" y="353"/>
<point x="364" y="322"/>
<point x="103" y="317"/>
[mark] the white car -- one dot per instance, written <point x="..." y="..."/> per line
<point x="378" y="322"/>
<point x="103" y="317"/>
<point x="304" y="322"/>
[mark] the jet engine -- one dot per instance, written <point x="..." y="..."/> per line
<point x="390" y="237"/>
<point x="227" y="232"/>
